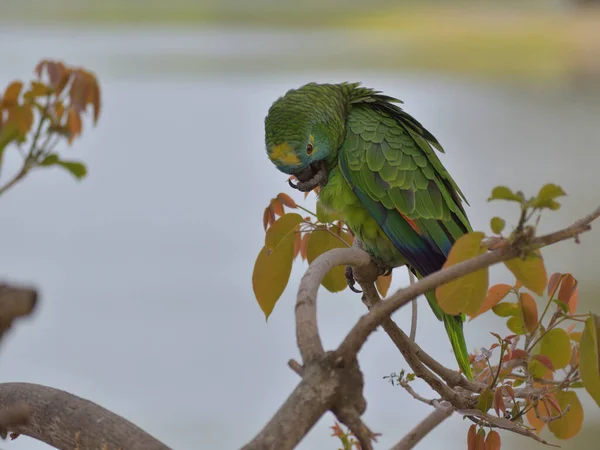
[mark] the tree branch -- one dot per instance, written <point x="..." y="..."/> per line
<point x="63" y="420"/>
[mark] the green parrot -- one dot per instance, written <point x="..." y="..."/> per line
<point x="378" y="172"/>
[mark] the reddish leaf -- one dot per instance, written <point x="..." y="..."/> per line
<point x="266" y="218"/>
<point x="499" y="402"/>
<point x="567" y="286"/>
<point x="552" y="401"/>
<point x="515" y="354"/>
<point x="494" y="295"/>
<point x="545" y="361"/>
<point x="553" y="283"/>
<point x="383" y="284"/>
<point x="73" y="123"/>
<point x="297" y="243"/>
<point x="287" y="200"/>
<point x="493" y="441"/>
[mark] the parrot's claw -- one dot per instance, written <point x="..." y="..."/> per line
<point x="384" y="269"/>
<point x="351" y="281"/>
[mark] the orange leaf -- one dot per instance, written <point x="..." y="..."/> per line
<point x="287" y="200"/>
<point x="480" y="440"/>
<point x="572" y="303"/>
<point x="11" y="94"/>
<point x="303" y="245"/>
<point x="495" y="294"/>
<point x="472" y="437"/>
<point x="529" y="311"/>
<point x="277" y="207"/>
<point x="567" y="286"/>
<point x="515" y="354"/>
<point x="553" y="283"/>
<point x="530" y="271"/>
<point x="93" y="97"/>
<point x="297" y="243"/>
<point x="383" y="284"/>
<point x="493" y="441"/>
<point x="73" y="123"/>
<point x="533" y="420"/>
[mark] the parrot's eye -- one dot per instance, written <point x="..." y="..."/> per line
<point x="309" y="148"/>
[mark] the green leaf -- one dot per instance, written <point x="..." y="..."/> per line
<point x="8" y="134"/>
<point x="504" y="193"/>
<point x="485" y="400"/>
<point x="75" y="168"/>
<point x="282" y="228"/>
<point x="320" y="241"/>
<point x="589" y="361"/>
<point x="515" y="324"/>
<point x="529" y="271"/>
<point x="556" y="345"/>
<point x="568" y="425"/>
<point x="272" y="272"/>
<point x="506" y="309"/>
<point x="546" y="196"/>
<point x="497" y="225"/>
<point x="465" y="294"/>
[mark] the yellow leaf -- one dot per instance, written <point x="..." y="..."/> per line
<point x="281" y="229"/>
<point x="568" y="425"/>
<point x="494" y="295"/>
<point x="589" y="350"/>
<point x="556" y="345"/>
<point x="529" y="271"/>
<point x="529" y="311"/>
<point x="272" y="272"/>
<point x="11" y="94"/>
<point x="383" y="284"/>
<point x="466" y="294"/>
<point x="320" y="241"/>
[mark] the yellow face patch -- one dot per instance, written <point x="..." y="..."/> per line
<point x="284" y="154"/>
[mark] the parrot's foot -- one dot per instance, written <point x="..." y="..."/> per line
<point x="350" y="279"/>
<point x="384" y="269"/>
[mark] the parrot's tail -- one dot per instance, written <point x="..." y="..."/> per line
<point x="454" y="328"/>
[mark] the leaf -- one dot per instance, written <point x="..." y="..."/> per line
<point x="11" y="93"/>
<point x="485" y="400"/>
<point x="472" y="437"/>
<point x="37" y="89"/>
<point x="515" y="324"/>
<point x="499" y="402"/>
<point x="303" y="246"/>
<point x="281" y="229"/>
<point x="545" y="361"/>
<point x="277" y="207"/>
<point x="568" y="425"/>
<point x="73" y="123"/>
<point x="568" y="292"/>
<point x="553" y="283"/>
<point x="589" y="358"/>
<point x="529" y="311"/>
<point x="497" y="224"/>
<point x="287" y="200"/>
<point x="75" y="168"/>
<point x="493" y="441"/>
<point x="556" y="345"/>
<point x="297" y="243"/>
<point x="383" y="284"/>
<point x="271" y="273"/>
<point x="465" y="294"/>
<point x="529" y="271"/>
<point x="575" y="336"/>
<point x="534" y="421"/>
<point x="546" y="196"/>
<point x="494" y="295"/>
<point x="8" y="133"/>
<point x="540" y="366"/>
<point x="319" y="242"/>
<point x="504" y="193"/>
<point x="266" y="218"/>
<point x="506" y="309"/>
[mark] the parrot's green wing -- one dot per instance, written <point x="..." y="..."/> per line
<point x="388" y="160"/>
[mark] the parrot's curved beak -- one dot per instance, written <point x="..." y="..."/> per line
<point x="312" y="176"/>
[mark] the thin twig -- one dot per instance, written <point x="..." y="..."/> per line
<point x="413" y="321"/>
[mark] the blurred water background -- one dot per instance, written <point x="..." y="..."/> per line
<point x="145" y="266"/>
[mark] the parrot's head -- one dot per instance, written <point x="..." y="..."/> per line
<point x="304" y="130"/>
